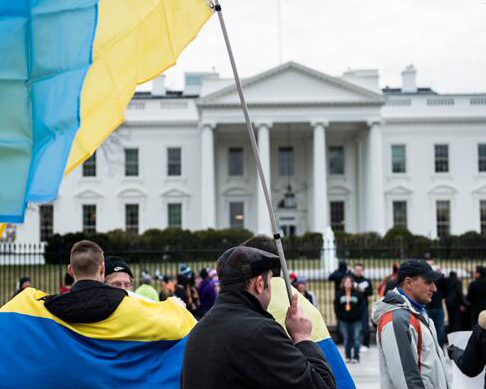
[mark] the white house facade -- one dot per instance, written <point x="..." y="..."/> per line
<point x="337" y="151"/>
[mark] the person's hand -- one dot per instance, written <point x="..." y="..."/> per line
<point x="450" y="350"/>
<point x="298" y="325"/>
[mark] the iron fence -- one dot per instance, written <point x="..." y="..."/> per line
<point x="29" y="260"/>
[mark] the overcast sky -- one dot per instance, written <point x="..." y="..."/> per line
<point x="444" y="39"/>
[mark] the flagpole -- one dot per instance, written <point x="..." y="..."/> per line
<point x="249" y="126"/>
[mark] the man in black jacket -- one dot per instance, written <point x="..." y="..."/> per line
<point x="365" y="286"/>
<point x="238" y="344"/>
<point x="90" y="300"/>
<point x="476" y="294"/>
<point x="472" y="360"/>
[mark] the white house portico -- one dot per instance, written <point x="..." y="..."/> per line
<point x="336" y="151"/>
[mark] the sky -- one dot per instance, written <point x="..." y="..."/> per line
<point x="444" y="39"/>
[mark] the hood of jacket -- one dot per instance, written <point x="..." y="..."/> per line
<point x="393" y="300"/>
<point x="88" y="302"/>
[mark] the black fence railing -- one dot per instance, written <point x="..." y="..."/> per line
<point x="313" y="264"/>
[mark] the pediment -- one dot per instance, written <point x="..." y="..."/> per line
<point x="131" y="194"/>
<point x="399" y="190"/>
<point x="292" y="83"/>
<point x="89" y="194"/>
<point x="174" y="193"/>
<point x="338" y="190"/>
<point x="443" y="190"/>
<point x="235" y="192"/>
<point x="480" y="191"/>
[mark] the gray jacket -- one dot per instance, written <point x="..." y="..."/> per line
<point x="410" y="355"/>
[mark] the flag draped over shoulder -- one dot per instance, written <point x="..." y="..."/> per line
<point x="139" y="346"/>
<point x="320" y="335"/>
<point x="68" y="69"/>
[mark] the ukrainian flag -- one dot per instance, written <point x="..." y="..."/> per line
<point x="139" y="346"/>
<point x="68" y="69"/>
<point x="278" y="308"/>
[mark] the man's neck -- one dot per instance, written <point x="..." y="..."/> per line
<point x="418" y="306"/>
<point x="77" y="279"/>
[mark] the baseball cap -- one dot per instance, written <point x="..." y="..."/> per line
<point x="116" y="264"/>
<point x="240" y="263"/>
<point x="414" y="268"/>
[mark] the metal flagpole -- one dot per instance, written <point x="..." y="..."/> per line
<point x="276" y="234"/>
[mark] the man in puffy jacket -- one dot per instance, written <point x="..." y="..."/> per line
<point x="472" y="360"/>
<point x="409" y="352"/>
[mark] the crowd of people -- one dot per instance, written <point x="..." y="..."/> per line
<point x="408" y="317"/>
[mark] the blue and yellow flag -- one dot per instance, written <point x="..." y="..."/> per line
<point x="278" y="308"/>
<point x="68" y="69"/>
<point x="140" y="345"/>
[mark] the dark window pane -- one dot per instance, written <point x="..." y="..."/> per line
<point x="235" y="161"/>
<point x="443" y="218"/>
<point x="237" y="215"/>
<point x="482" y="157"/>
<point x="337" y="216"/>
<point x="89" y="218"/>
<point x="398" y="159"/>
<point x="46" y="221"/>
<point x="483" y="216"/>
<point x="174" y="165"/>
<point x="174" y="212"/>
<point x="441" y="158"/>
<point x="336" y="160"/>
<point x="131" y="162"/>
<point x="89" y="166"/>
<point x="400" y="214"/>
<point x="286" y="161"/>
<point x="131" y="218"/>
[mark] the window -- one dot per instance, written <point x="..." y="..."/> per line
<point x="174" y="212"/>
<point x="174" y="164"/>
<point x="131" y="162"/>
<point x="131" y="218"/>
<point x="89" y="166"/>
<point x="337" y="215"/>
<point x="89" y="218"/>
<point x="336" y="160"/>
<point x="482" y="157"/>
<point x="483" y="216"/>
<point x="400" y="214"/>
<point x="286" y="161"/>
<point x="237" y="215"/>
<point x="443" y="218"/>
<point x="441" y="158"/>
<point x="46" y="213"/>
<point x="398" y="159"/>
<point x="235" y="161"/>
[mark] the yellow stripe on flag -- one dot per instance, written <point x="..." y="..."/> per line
<point x="135" y="41"/>
<point x="134" y="319"/>
<point x="3" y="227"/>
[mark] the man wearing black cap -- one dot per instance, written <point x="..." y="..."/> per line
<point x="238" y="344"/>
<point x="118" y="273"/>
<point x="410" y="354"/>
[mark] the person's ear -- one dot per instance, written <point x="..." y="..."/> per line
<point x="70" y="271"/>
<point x="102" y="269"/>
<point x="260" y="284"/>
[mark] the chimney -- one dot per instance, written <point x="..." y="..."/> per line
<point x="409" y="82"/>
<point x="158" y="87"/>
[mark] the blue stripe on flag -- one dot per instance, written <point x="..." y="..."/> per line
<point x="72" y="360"/>
<point x="341" y="373"/>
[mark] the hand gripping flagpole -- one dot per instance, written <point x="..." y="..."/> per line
<point x="249" y="126"/>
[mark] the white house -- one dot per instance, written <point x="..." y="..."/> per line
<point x="337" y="151"/>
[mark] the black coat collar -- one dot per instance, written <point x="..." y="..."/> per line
<point x="241" y="297"/>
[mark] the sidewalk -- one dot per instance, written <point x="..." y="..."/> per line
<point x="366" y="374"/>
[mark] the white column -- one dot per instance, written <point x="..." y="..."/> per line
<point x="264" y="226"/>
<point x="360" y="193"/>
<point x="375" y="197"/>
<point x="208" y="184"/>
<point x="320" y="177"/>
